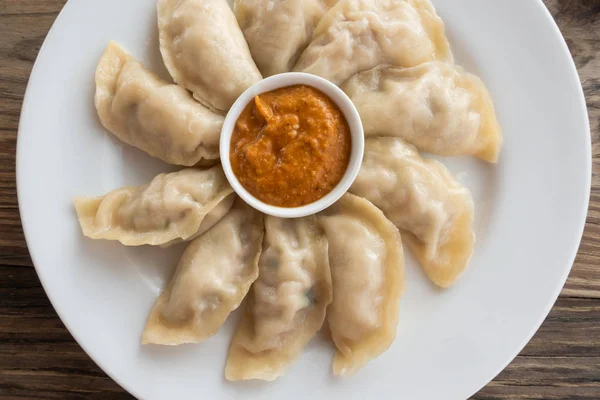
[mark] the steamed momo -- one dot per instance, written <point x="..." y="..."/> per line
<point x="421" y="197"/>
<point x="367" y="273"/>
<point x="437" y="107"/>
<point x="172" y="207"/>
<point x="278" y="31"/>
<point x="211" y="280"/>
<point x="211" y="219"/>
<point x="286" y="305"/>
<point x="356" y="35"/>
<point x="159" y="118"/>
<point x="205" y="51"/>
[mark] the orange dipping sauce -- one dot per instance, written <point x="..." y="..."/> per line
<point x="291" y="146"/>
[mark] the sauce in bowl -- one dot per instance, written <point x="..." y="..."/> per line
<point x="290" y="146"/>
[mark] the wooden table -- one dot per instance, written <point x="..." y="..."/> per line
<point x="40" y="359"/>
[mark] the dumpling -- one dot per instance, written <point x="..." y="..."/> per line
<point x="286" y="305"/>
<point x="211" y="280"/>
<point x="436" y="106"/>
<point x="367" y="274"/>
<point x="356" y="35"/>
<point x="278" y="31"/>
<point x="211" y="219"/>
<point x="205" y="50"/>
<point x="159" y="118"/>
<point x="173" y="206"/>
<point x="421" y="197"/>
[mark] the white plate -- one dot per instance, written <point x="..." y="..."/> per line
<point x="530" y="215"/>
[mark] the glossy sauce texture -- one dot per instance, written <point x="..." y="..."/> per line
<point x="291" y="146"/>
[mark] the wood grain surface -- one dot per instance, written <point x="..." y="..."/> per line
<point x="39" y="358"/>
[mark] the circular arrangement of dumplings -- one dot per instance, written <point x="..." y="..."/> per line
<point x="345" y="264"/>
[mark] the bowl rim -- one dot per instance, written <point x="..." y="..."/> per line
<point x="348" y="110"/>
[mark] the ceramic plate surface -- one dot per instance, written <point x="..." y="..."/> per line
<point x="530" y="212"/>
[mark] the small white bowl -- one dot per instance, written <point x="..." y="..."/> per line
<point x="356" y="132"/>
